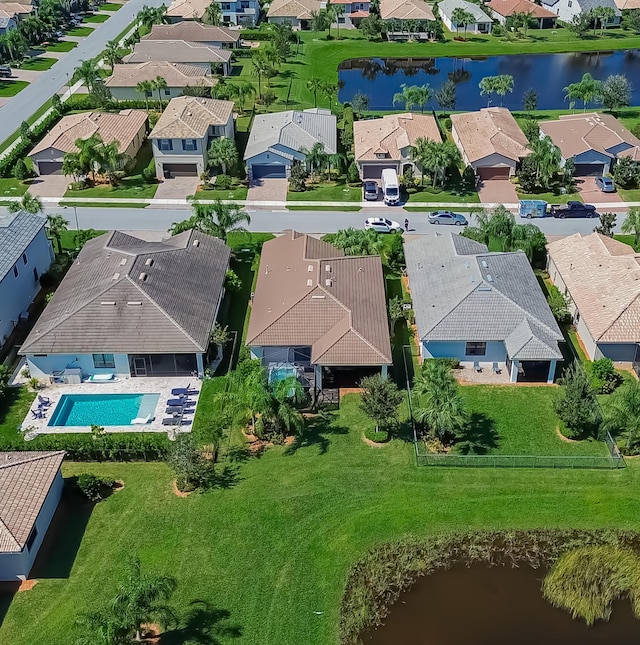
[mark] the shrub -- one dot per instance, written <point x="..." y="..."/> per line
<point x="353" y="175"/>
<point x="576" y="404"/>
<point x="446" y="123"/>
<point x="603" y="376"/>
<point x="149" y="173"/>
<point x="223" y="182"/>
<point x="20" y="170"/>
<point x="451" y="362"/>
<point x="191" y="468"/>
<point x="94" y="487"/>
<point x="558" y="305"/>
<point x="469" y="178"/>
<point x="531" y="129"/>
<point x="395" y="256"/>
<point x="626" y="173"/>
<point x="232" y="282"/>
<point x="298" y="177"/>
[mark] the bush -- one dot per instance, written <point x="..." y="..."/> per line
<point x="602" y="375"/>
<point x="558" y="305"/>
<point x="395" y="256"/>
<point x="223" y="182"/>
<point x="232" y="282"/>
<point x="452" y="362"/>
<point x="447" y="124"/>
<point x="626" y="173"/>
<point x="78" y="185"/>
<point x="149" y="173"/>
<point x="20" y="170"/>
<point x="497" y="30"/>
<point x="576" y="404"/>
<point x="93" y="487"/>
<point x="469" y="178"/>
<point x="191" y="468"/>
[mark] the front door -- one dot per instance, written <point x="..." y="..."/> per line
<point x="139" y="366"/>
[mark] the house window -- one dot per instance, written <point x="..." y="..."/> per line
<point x="226" y="18"/>
<point x="226" y="6"/>
<point x="24" y="258"/>
<point x="104" y="360"/>
<point x="476" y="349"/>
<point x="341" y="20"/>
<point x="189" y="144"/>
<point x="15" y="270"/>
<point x="35" y="275"/>
<point x="165" y="145"/>
<point x="167" y="92"/>
<point x="148" y="94"/>
<point x="244" y="5"/>
<point x="32" y="538"/>
<point x="570" y="3"/>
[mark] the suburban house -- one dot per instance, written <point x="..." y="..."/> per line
<point x="318" y="314"/>
<point x="482" y="22"/>
<point x="17" y="10"/>
<point x="593" y="141"/>
<point x="25" y="254"/>
<point x="127" y="127"/>
<point x="405" y="16"/>
<point x="354" y="12"/>
<point x="8" y="21"/>
<point x="130" y="307"/>
<point x="182" y="135"/>
<point x="490" y="141"/>
<point x="485" y="309"/>
<point x="567" y="9"/>
<point x="30" y="490"/>
<point x="601" y="279"/>
<point x="214" y="59"/>
<point x="503" y="9"/>
<point x="196" y="32"/>
<point x="297" y="13"/>
<point x="386" y="142"/>
<point x="123" y="83"/>
<point x="238" y="12"/>
<point x="627" y="4"/>
<point x="278" y="139"/>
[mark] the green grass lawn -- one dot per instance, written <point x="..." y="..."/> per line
<point x="449" y="195"/>
<point x="13" y="410"/>
<point x="330" y="191"/>
<point x="342" y="207"/>
<point x="62" y="46"/>
<point x="96" y="18"/>
<point x="627" y="239"/>
<point x="237" y="193"/>
<point x="630" y="194"/>
<point x="110" y="6"/>
<point x="12" y="188"/>
<point x="11" y="88"/>
<point x="38" y="64"/>
<point x="79" y="31"/>
<point x="552" y="198"/>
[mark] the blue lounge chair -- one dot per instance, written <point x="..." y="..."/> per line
<point x="38" y="414"/>
<point x="44" y="400"/>
<point x="180" y="402"/>
<point x="183" y="391"/>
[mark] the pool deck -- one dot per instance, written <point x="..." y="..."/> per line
<point x="147" y="385"/>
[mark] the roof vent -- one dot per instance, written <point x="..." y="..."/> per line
<point x="484" y="288"/>
<point x="309" y="283"/>
<point x="310" y="268"/>
<point x="123" y="262"/>
<point x="109" y="302"/>
<point x="196" y="242"/>
<point x="318" y="297"/>
<point x="489" y="277"/>
<point x="327" y="268"/>
<point x="149" y="262"/>
<point x="131" y="303"/>
<point x="115" y="276"/>
<point x="484" y="264"/>
<point x="142" y="277"/>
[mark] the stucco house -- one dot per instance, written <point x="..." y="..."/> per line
<point x="25" y="254"/>
<point x="297" y="13"/>
<point x="30" y="489"/>
<point x="278" y="139"/>
<point x="485" y="309"/>
<point x="237" y="12"/>
<point x="386" y="142"/>
<point x="132" y="308"/>
<point x="182" y="135"/>
<point x="127" y="127"/>
<point x="503" y="9"/>
<point x="318" y="314"/>
<point x="593" y="141"/>
<point x="18" y="10"/>
<point x="196" y="32"/>
<point x="406" y="16"/>
<point x="567" y="9"/>
<point x="601" y="278"/>
<point x="8" y="21"/>
<point x="354" y="12"/>
<point x="213" y="59"/>
<point x="482" y="24"/>
<point x="490" y="141"/>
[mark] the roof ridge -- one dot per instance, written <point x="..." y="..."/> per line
<point x="31" y="457"/>
<point x="8" y="530"/>
<point x="367" y="342"/>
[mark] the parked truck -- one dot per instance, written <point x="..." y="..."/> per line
<point x="390" y="186"/>
<point x="573" y="209"/>
<point x="532" y="208"/>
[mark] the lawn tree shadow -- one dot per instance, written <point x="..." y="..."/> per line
<point x="7" y="591"/>
<point x="202" y="625"/>
<point x="314" y="432"/>
<point x="239" y="454"/>
<point x="478" y="437"/>
<point x="226" y="477"/>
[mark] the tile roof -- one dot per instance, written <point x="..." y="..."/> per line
<point x="193" y="32"/>
<point x="122" y="127"/>
<point x="627" y="4"/>
<point x="578" y="133"/>
<point x="17" y="231"/>
<point x="509" y="7"/>
<point x="405" y="10"/>
<point x="190" y="117"/>
<point x="461" y="292"/>
<point x="602" y="276"/>
<point x="391" y="134"/>
<point x="300" y="9"/>
<point x="25" y="481"/>
<point x="293" y="130"/>
<point x="447" y="7"/>
<point x="125" y="295"/>
<point x="176" y="74"/>
<point x="176" y="51"/>
<point x="13" y="8"/>
<point x="309" y="294"/>
<point x="490" y="131"/>
<point x="187" y="9"/>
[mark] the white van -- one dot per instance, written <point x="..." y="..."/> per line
<point x="390" y="186"/>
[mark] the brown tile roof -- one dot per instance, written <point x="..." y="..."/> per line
<point x="188" y="9"/>
<point x="190" y="117"/>
<point x="121" y="127"/>
<point x="308" y="293"/>
<point x="300" y="9"/>
<point x="578" y="133"/>
<point x="176" y="51"/>
<point x="193" y="32"/>
<point x="125" y="295"/>
<point x="25" y="481"/>
<point x="176" y="74"/>
<point x="627" y="4"/>
<point x="405" y="10"/>
<point x="509" y="7"/>
<point x="490" y="131"/>
<point x="602" y="276"/>
<point x="390" y="134"/>
<point x="16" y="7"/>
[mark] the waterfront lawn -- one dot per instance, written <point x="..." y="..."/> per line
<point x="38" y="64"/>
<point x="328" y="191"/>
<point x="11" y="88"/>
<point x="62" y="46"/>
<point x="271" y="549"/>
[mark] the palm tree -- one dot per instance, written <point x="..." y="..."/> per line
<point x="159" y="84"/>
<point x="213" y="14"/>
<point x="330" y="91"/>
<point x="358" y="242"/>
<point x="149" y="16"/>
<point x="261" y="67"/>
<point x="241" y="91"/>
<point x="420" y="153"/>
<point x="316" y="157"/>
<point x="488" y="86"/>
<point x="285" y="396"/>
<point x="407" y="96"/>
<point x="586" y="90"/>
<point x="89" y="153"/>
<point x="87" y="72"/>
<point x="56" y="226"/>
<point x="145" y="88"/>
<point x="112" y="54"/>
<point x="504" y="86"/>
<point x="28" y="203"/>
<point x="337" y="11"/>
<point x="222" y="152"/>
<point x="251" y="395"/>
<point x="216" y="219"/>
<point x="462" y="17"/>
<point x="313" y="85"/>
<point x="16" y="44"/>
<point x="423" y="94"/>
<point x="111" y="160"/>
<point x="436" y="157"/>
<point x="101" y="627"/>
<point x="622" y="414"/>
<point x="72" y="165"/>
<point x="631" y="225"/>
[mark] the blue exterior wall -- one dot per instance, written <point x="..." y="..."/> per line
<point x="617" y="352"/>
<point x="621" y="147"/>
<point x="496" y="351"/>
<point x="594" y="157"/>
<point x="41" y="366"/>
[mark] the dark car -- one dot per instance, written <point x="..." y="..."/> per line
<point x="5" y="71"/>
<point x="573" y="209"/>
<point x="447" y="217"/>
<point x="370" y="191"/>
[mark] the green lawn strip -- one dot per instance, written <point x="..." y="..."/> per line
<point x="110" y="6"/>
<point x="68" y="237"/>
<point x="627" y="239"/>
<point x="630" y="194"/>
<point x="334" y="191"/>
<point x="100" y="204"/>
<point x="62" y="46"/>
<point x="346" y="209"/>
<point x="238" y="193"/>
<point x="11" y="88"/>
<point x="38" y="64"/>
<point x="96" y="18"/>
<point x="13" y="410"/>
<point x="552" y="198"/>
<point x="80" y="31"/>
<point x="12" y="188"/>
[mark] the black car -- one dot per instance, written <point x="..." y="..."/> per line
<point x="5" y="71"/>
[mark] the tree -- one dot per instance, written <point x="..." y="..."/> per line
<point x="558" y="304"/>
<point x="16" y="44"/>
<point x="282" y="36"/>
<point x="631" y="225"/>
<point x="355" y="241"/>
<point x="149" y="16"/>
<point x="631" y="20"/>
<point x="436" y="157"/>
<point x="580" y="23"/>
<point x="601" y="16"/>
<point x="607" y="224"/>
<point x="159" y="84"/>
<point x="503" y="86"/>
<point x="462" y="18"/>
<point x="488" y="87"/>
<point x="316" y="157"/>
<point x="522" y="19"/>
<point x="56" y="226"/>
<point x="216" y="219"/>
<point x="407" y="96"/>
<point x="622" y="415"/>
<point x="89" y="154"/>
<point x="87" y="72"/>
<point x="223" y="153"/>
<point x="615" y="92"/>
<point x="298" y="177"/>
<point x="330" y="91"/>
<point x="191" y="468"/>
<point x="576" y="404"/>
<point x="532" y="241"/>
<point x="360" y="102"/>
<point x="213" y="14"/>
<point x="56" y="102"/>
<point x="336" y="11"/>
<point x="28" y="203"/>
<point x="20" y="170"/>
<point x="626" y="172"/>
<point x="380" y="400"/>
<point x="112" y="54"/>
<point x="530" y="100"/>
<point x="313" y="85"/>
<point x="530" y="129"/>
<point x="145" y="88"/>
<point x="286" y="396"/>
<point x="546" y="159"/>
<point x="319" y="20"/>
<point x="371" y="26"/>
<point x="585" y="90"/>
<point x="446" y="95"/>
<point x="260" y="66"/>
<point x="101" y="627"/>
<point x="497" y="224"/>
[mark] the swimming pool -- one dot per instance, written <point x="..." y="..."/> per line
<point x="102" y="409"/>
<point x="281" y="373"/>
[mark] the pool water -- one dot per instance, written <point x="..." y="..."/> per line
<point x="281" y="373"/>
<point x="102" y="409"/>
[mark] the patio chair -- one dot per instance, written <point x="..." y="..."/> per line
<point x="172" y="421"/>
<point x="496" y="369"/>
<point x="174" y="409"/>
<point x="140" y="421"/>
<point x="180" y="402"/>
<point x="44" y="400"/>
<point x="38" y="414"/>
<point x="476" y="366"/>
<point x="183" y="391"/>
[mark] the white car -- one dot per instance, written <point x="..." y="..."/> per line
<point x="382" y="225"/>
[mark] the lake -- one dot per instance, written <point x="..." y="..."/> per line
<point x="491" y="606"/>
<point x="547" y="74"/>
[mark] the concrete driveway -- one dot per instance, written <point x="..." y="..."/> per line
<point x="177" y="188"/>
<point x="50" y="185"/>
<point x="497" y="191"/>
<point x="591" y="194"/>
<point x="268" y="190"/>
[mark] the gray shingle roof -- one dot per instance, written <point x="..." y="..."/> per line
<point x="587" y="5"/>
<point x="461" y="292"/>
<point x="126" y="295"/>
<point x="449" y="6"/>
<point x="17" y="231"/>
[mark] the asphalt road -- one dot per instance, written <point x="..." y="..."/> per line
<point x="24" y="104"/>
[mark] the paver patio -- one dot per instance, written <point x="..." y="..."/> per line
<point x="497" y="191"/>
<point x="591" y="194"/>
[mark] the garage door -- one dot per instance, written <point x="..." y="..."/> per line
<point x="589" y="169"/>
<point x="180" y="169"/>
<point x="269" y="171"/>
<point x="374" y="172"/>
<point x="501" y="172"/>
<point x="50" y="167"/>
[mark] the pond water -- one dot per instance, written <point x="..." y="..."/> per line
<point x="547" y="74"/>
<point x="491" y="606"/>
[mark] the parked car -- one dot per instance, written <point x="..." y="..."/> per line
<point x="605" y="184"/>
<point x="529" y="208"/>
<point x="5" y="71"/>
<point x="382" y="225"/>
<point x="574" y="209"/>
<point x="447" y="217"/>
<point x="370" y="190"/>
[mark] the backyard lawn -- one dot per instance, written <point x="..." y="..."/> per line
<point x="11" y="88"/>
<point x="38" y="64"/>
<point x="62" y="46"/>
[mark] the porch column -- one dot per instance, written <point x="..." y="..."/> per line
<point x="383" y="371"/>
<point x="200" y="363"/>
<point x="317" y="371"/>
<point x="552" y="371"/>
<point x="513" y="376"/>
